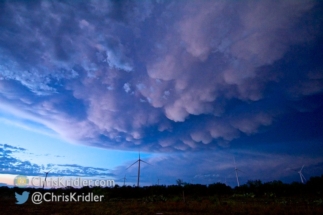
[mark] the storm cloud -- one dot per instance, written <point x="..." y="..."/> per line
<point x="160" y="75"/>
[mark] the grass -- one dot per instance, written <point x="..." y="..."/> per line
<point x="193" y="205"/>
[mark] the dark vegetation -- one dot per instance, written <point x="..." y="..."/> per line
<point x="254" y="197"/>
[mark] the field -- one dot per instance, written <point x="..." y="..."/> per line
<point x="254" y="197"/>
<point x="176" y="205"/>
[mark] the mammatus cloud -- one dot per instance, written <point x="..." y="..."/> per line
<point x="162" y="76"/>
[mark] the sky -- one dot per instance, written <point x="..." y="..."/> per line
<point x="199" y="88"/>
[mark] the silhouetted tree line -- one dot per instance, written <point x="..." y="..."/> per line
<point x="314" y="186"/>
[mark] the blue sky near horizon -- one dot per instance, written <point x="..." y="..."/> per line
<point x="86" y="85"/>
<point x="46" y="148"/>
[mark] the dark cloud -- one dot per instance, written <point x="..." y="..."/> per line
<point x="164" y="75"/>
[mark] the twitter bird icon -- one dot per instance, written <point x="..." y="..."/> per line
<point x="21" y="199"/>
